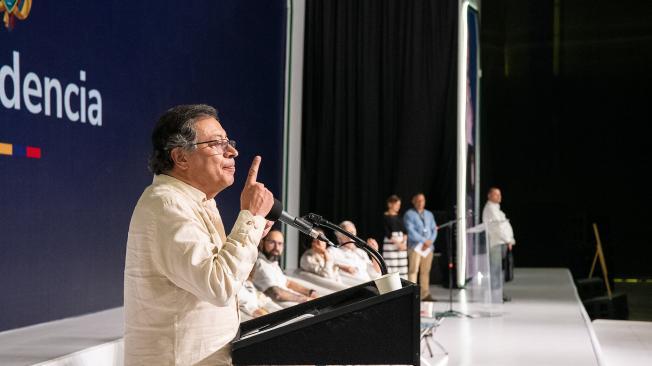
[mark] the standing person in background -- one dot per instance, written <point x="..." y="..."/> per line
<point x="422" y="232"/>
<point x="500" y="236"/>
<point x="395" y="239"/>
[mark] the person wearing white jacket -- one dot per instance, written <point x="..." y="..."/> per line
<point x="500" y="236"/>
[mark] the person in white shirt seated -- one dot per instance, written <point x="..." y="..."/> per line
<point x="269" y="277"/>
<point x="252" y="302"/>
<point x="318" y="260"/>
<point x="351" y="260"/>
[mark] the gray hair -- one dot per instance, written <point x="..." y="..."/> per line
<point x="341" y="237"/>
<point x="176" y="128"/>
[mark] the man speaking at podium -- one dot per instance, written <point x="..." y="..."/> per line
<point x="182" y="272"/>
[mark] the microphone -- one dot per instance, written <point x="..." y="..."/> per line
<point x="277" y="213"/>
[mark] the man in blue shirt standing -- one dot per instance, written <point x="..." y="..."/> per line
<point x="422" y="232"/>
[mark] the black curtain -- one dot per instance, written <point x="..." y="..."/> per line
<point x="379" y="107"/>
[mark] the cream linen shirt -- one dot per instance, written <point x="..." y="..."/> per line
<point x="182" y="274"/>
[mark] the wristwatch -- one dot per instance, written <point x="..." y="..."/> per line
<point x="311" y="291"/>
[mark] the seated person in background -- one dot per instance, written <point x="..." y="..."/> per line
<point x="352" y="260"/>
<point x="319" y="261"/>
<point x="253" y="302"/>
<point x="269" y="277"/>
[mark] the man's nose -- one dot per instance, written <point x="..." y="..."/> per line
<point x="230" y="152"/>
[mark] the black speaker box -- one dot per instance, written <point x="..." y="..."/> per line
<point x="602" y="307"/>
<point x="589" y="288"/>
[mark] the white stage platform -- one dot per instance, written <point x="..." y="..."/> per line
<point x="544" y="324"/>
<point x="625" y="343"/>
<point x="93" y="339"/>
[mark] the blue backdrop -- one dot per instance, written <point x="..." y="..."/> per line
<point x="64" y="216"/>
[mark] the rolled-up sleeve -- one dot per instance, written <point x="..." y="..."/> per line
<point x="185" y="254"/>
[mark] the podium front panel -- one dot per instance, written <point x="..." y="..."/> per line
<point x="353" y="326"/>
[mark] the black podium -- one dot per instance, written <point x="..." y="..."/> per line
<point x="352" y="326"/>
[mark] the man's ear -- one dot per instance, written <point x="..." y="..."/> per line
<point x="179" y="157"/>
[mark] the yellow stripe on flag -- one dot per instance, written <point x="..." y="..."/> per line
<point x="6" y="149"/>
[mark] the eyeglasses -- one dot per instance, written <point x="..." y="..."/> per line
<point x="219" y="145"/>
<point x="274" y="242"/>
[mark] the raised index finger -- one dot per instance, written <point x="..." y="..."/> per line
<point x="253" y="171"/>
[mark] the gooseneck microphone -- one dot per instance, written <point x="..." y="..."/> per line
<point x="277" y="213"/>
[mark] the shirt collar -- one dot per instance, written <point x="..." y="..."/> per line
<point x="194" y="193"/>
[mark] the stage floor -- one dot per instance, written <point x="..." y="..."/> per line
<point x="544" y="324"/>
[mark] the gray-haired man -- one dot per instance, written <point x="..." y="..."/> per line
<point x="182" y="272"/>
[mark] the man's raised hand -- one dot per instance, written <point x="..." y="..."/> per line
<point x="255" y="197"/>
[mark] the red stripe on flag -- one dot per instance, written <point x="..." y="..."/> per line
<point x="33" y="152"/>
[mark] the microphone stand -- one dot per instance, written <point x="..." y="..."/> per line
<point x="318" y="221"/>
<point x="450" y="312"/>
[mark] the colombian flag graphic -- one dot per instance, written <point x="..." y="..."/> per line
<point x="20" y="150"/>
